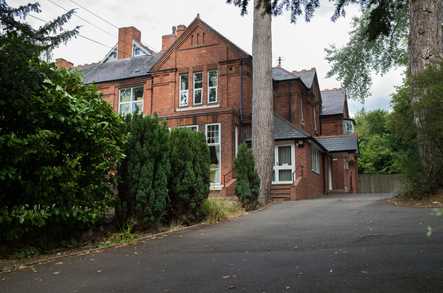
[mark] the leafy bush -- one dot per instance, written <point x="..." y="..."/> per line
<point x="59" y="141"/>
<point x="247" y="187"/>
<point x="420" y="180"/>
<point x="56" y="156"/>
<point x="189" y="177"/>
<point x="143" y="181"/>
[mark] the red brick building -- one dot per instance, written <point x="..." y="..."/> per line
<point x="203" y="81"/>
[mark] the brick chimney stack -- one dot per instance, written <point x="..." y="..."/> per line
<point x="63" y="63"/>
<point x="168" y="40"/>
<point x="125" y="37"/>
<point x="180" y="30"/>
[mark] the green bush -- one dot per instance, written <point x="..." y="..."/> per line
<point x="143" y="180"/>
<point x="247" y="187"/>
<point x="189" y="177"/>
<point x="58" y="147"/>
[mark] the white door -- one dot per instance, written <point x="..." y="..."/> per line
<point x="284" y="164"/>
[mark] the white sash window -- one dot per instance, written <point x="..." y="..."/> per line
<point x="198" y="88"/>
<point x="184" y="90"/>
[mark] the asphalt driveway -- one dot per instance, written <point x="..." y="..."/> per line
<point x="341" y="244"/>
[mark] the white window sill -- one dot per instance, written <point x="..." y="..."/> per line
<point x="282" y="182"/>
<point x="185" y="108"/>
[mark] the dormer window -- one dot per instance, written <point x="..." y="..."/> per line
<point x="348" y="126"/>
<point x="136" y="51"/>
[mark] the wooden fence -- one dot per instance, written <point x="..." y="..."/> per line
<point x="377" y="183"/>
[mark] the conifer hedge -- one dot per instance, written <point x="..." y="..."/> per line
<point x="143" y="180"/>
<point x="189" y="177"/>
<point x="247" y="187"/>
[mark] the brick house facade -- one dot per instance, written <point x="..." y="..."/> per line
<point x="203" y="81"/>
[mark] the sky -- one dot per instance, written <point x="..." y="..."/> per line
<point x="301" y="45"/>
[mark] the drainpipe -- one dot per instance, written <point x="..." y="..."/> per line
<point x="241" y="92"/>
<point x="289" y="102"/>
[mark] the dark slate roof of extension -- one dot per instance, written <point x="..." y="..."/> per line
<point x="283" y="129"/>
<point x="342" y="143"/>
<point x="333" y="102"/>
<point x="306" y="76"/>
<point x="119" y="69"/>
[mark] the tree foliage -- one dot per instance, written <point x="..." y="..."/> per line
<point x="189" y="177"/>
<point x="374" y="47"/>
<point x="377" y="152"/>
<point x="143" y="174"/>
<point x="429" y="85"/>
<point x="247" y="187"/>
<point x="59" y="140"/>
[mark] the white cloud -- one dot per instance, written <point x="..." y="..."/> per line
<point x="301" y="45"/>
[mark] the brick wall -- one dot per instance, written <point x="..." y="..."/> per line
<point x="309" y="183"/>
<point x="331" y="125"/>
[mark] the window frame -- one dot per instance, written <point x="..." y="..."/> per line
<point x="132" y="101"/>
<point x="193" y="127"/>
<point x="276" y="168"/>
<point x="314" y="110"/>
<point x="345" y="128"/>
<point x="218" y="183"/>
<point x="182" y="90"/>
<point x="213" y="87"/>
<point x="194" y="89"/>
<point x="315" y="160"/>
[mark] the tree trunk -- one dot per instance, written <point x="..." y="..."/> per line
<point x="262" y="98"/>
<point x="425" y="48"/>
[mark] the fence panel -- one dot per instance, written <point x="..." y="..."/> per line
<point x="379" y="183"/>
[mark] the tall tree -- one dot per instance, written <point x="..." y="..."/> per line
<point x="262" y="97"/>
<point x="425" y="48"/>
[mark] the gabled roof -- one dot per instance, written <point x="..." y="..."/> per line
<point x="333" y="102"/>
<point x="119" y="69"/>
<point x="341" y="143"/>
<point x="187" y="32"/>
<point x="306" y="76"/>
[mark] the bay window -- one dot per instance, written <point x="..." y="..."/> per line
<point x="198" y="88"/>
<point x="212" y="86"/>
<point x="131" y="100"/>
<point x="184" y="90"/>
<point x="213" y="139"/>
